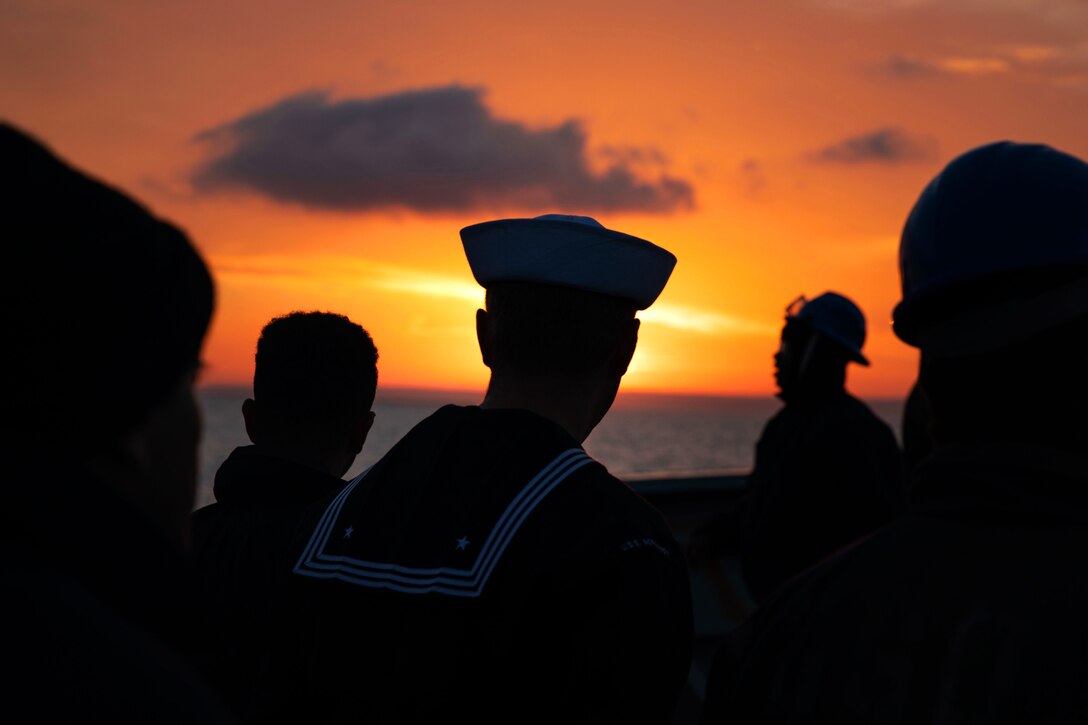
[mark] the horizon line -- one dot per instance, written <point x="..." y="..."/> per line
<point x="402" y="392"/>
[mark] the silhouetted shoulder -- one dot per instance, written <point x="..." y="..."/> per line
<point x="55" y="681"/>
<point x="964" y="605"/>
<point x="594" y="511"/>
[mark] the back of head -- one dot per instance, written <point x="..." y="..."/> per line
<point x="994" y="272"/>
<point x="104" y="311"/>
<point x="548" y="330"/>
<point x="315" y="374"/>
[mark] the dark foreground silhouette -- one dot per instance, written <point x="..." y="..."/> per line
<point x="104" y="312"/>
<point x="970" y="608"/>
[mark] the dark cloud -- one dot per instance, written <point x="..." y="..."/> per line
<point x="885" y="145"/>
<point x="633" y="155"/>
<point x="754" y="179"/>
<point x="901" y="66"/>
<point x="430" y="150"/>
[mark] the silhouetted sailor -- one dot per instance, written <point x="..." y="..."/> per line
<point x="827" y="469"/>
<point x="486" y="569"/>
<point x="970" y="608"/>
<point x="314" y="381"/>
<point x="104" y="310"/>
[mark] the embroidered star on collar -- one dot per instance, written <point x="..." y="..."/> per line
<point x="462" y="543"/>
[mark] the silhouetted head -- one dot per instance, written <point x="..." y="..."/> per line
<point x="819" y="338"/>
<point x="562" y="294"/>
<point x="539" y="330"/>
<point x="314" y="382"/>
<point x="994" y="272"/>
<point x="105" y="309"/>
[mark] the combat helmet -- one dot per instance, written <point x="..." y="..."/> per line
<point x="994" y="250"/>
<point x="833" y="316"/>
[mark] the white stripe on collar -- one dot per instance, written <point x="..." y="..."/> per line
<point x="454" y="582"/>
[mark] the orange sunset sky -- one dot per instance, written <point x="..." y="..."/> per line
<point x="324" y="155"/>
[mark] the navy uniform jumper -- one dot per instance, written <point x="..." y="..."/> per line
<point x="485" y="570"/>
<point x="242" y="550"/>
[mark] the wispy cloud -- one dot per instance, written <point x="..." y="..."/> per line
<point x="1054" y="11"/>
<point x="908" y="67"/>
<point x="429" y="285"/>
<point x="905" y="66"/>
<point x="884" y="145"/>
<point x="753" y="177"/>
<point x="704" y="322"/>
<point x="345" y="271"/>
<point x="677" y="317"/>
<point x="1035" y="53"/>
<point x="870" y="5"/>
<point x="1051" y="64"/>
<point x="686" y="319"/>
<point x="369" y="275"/>
<point x="973" y="66"/>
<point x="430" y="150"/>
<point x="1005" y="60"/>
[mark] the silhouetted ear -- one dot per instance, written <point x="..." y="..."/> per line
<point x="358" y="436"/>
<point x="483" y="336"/>
<point x="249" y="415"/>
<point x="626" y="349"/>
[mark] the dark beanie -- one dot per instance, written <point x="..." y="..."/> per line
<point x="104" y="306"/>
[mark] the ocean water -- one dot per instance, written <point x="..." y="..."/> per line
<point x="643" y="436"/>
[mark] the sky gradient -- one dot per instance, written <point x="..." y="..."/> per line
<point x="324" y="156"/>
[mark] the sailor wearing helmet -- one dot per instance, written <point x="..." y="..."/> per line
<point x="827" y="469"/>
<point x="970" y="607"/>
<point x="487" y="569"/>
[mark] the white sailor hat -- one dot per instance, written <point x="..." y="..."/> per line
<point x="569" y="251"/>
